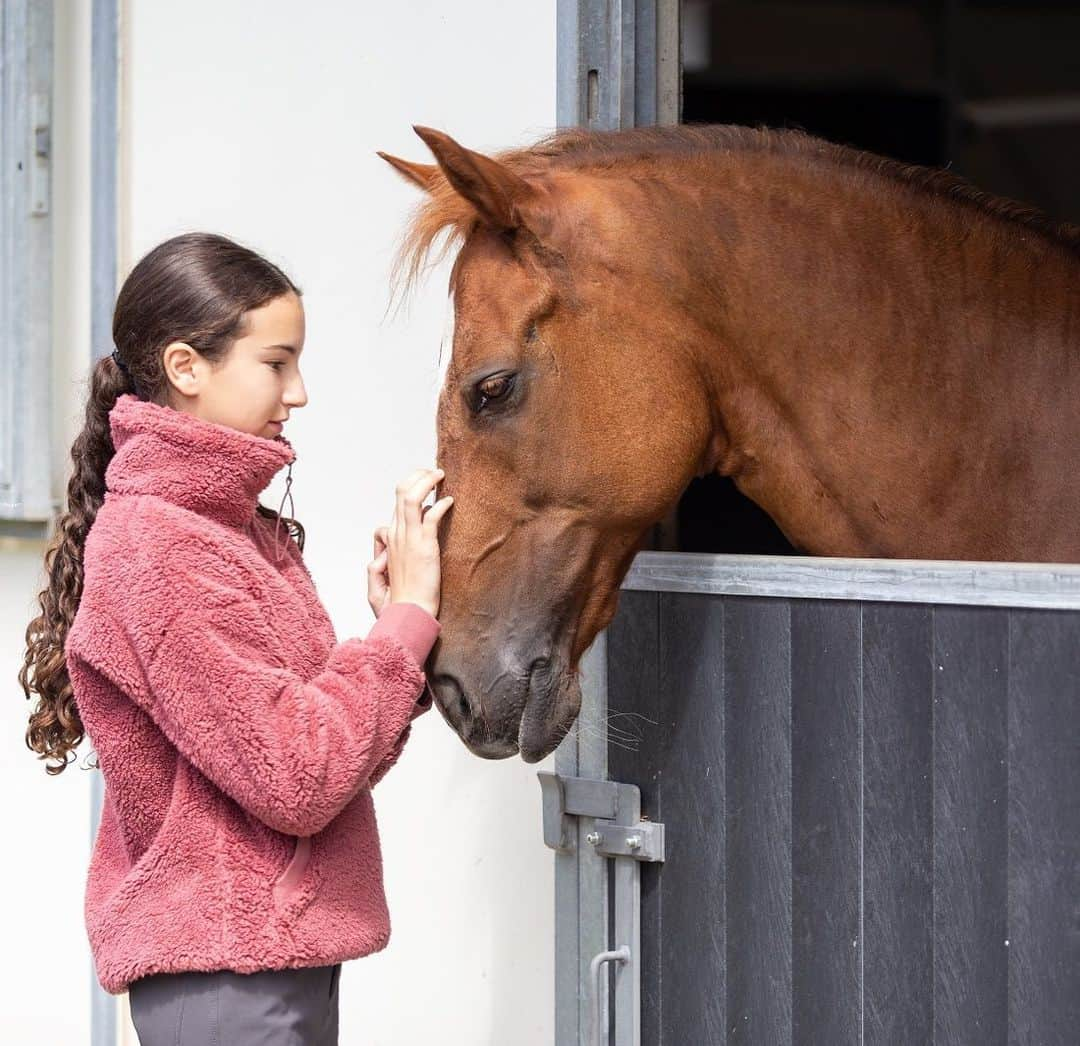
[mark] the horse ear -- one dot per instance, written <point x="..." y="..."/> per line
<point x="497" y="193"/>
<point x="422" y="174"/>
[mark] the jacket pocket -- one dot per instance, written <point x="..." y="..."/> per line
<point x="286" y="883"/>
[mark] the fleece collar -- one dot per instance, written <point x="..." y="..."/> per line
<point x="202" y="466"/>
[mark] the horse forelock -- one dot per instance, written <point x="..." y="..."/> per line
<point x="445" y="213"/>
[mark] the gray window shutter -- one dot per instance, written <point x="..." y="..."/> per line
<point x="26" y="31"/>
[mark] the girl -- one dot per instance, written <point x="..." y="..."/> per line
<point x="237" y="863"/>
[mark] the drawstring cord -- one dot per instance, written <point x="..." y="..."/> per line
<point x="287" y="496"/>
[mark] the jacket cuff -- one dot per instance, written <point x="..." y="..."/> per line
<point x="423" y="702"/>
<point x="412" y="626"/>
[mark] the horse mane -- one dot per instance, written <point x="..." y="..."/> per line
<point x="445" y="213"/>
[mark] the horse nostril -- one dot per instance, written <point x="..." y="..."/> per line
<point x="455" y="703"/>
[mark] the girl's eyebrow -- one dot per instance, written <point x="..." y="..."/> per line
<point x="287" y="348"/>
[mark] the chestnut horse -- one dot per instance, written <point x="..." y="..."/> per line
<point x="883" y="358"/>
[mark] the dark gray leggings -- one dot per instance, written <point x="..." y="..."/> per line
<point x="271" y="1008"/>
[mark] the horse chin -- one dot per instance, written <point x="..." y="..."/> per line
<point x="552" y="706"/>
<point x="492" y="749"/>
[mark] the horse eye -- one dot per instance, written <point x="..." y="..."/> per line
<point x="491" y="390"/>
<point x="494" y="388"/>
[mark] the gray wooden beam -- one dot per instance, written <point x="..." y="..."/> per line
<point x="104" y="84"/>
<point x="1049" y="586"/>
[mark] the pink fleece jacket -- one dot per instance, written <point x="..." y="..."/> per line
<point x="237" y="738"/>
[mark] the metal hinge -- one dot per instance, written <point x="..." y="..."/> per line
<point x="568" y="797"/>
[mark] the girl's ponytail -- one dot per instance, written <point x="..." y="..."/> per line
<point x="55" y="727"/>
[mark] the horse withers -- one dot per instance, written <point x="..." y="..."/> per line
<point x="882" y="357"/>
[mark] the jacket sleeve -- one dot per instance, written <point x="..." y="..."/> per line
<point x="423" y="703"/>
<point x="206" y="667"/>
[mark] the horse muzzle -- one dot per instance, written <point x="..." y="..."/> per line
<point x="524" y="707"/>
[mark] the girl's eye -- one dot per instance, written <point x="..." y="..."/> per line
<point x="277" y="364"/>
<point x="491" y="390"/>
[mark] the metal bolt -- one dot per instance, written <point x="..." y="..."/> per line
<point x="634" y="842"/>
<point x="593" y="838"/>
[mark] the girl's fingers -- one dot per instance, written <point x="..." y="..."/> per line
<point x="436" y="512"/>
<point x="411" y="480"/>
<point x="402" y="491"/>
<point x="412" y="499"/>
<point x="378" y="583"/>
<point x="420" y="490"/>
<point x="382" y="539"/>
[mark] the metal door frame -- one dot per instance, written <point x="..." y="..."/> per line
<point x="618" y="65"/>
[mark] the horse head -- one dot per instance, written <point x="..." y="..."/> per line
<point x="569" y="422"/>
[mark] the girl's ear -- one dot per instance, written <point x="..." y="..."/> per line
<point x="180" y="362"/>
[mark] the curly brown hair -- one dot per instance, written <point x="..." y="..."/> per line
<point x="194" y="288"/>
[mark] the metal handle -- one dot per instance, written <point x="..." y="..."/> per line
<point x="622" y="957"/>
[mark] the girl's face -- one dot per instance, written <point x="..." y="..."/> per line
<point x="255" y="386"/>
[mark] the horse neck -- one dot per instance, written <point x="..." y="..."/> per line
<point x="874" y="356"/>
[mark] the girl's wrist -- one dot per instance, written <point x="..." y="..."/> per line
<point x="426" y="605"/>
<point x="411" y="624"/>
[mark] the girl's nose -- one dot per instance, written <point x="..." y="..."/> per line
<point x="296" y="396"/>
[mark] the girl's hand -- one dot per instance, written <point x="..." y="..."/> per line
<point x="378" y="580"/>
<point x="406" y="567"/>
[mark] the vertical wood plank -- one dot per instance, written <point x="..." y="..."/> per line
<point x="693" y="945"/>
<point x="826" y="812"/>
<point x="634" y="696"/>
<point x="1044" y="827"/>
<point x="897" y="825"/>
<point x="970" y="666"/>
<point x="757" y="729"/>
<point x="635" y="738"/>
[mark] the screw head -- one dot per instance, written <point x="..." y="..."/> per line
<point x="593" y="838"/>
<point x="634" y="842"/>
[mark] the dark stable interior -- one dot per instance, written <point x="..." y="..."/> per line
<point x="989" y="89"/>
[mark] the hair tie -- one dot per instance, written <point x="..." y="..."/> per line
<point x="123" y="369"/>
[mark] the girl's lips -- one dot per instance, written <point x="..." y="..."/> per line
<point x="277" y="426"/>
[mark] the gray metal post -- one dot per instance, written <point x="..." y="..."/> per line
<point x="617" y="65"/>
<point x="581" y="887"/>
<point x="104" y="76"/>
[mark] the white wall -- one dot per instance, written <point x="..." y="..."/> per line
<point x="264" y="126"/>
<point x="262" y="121"/>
